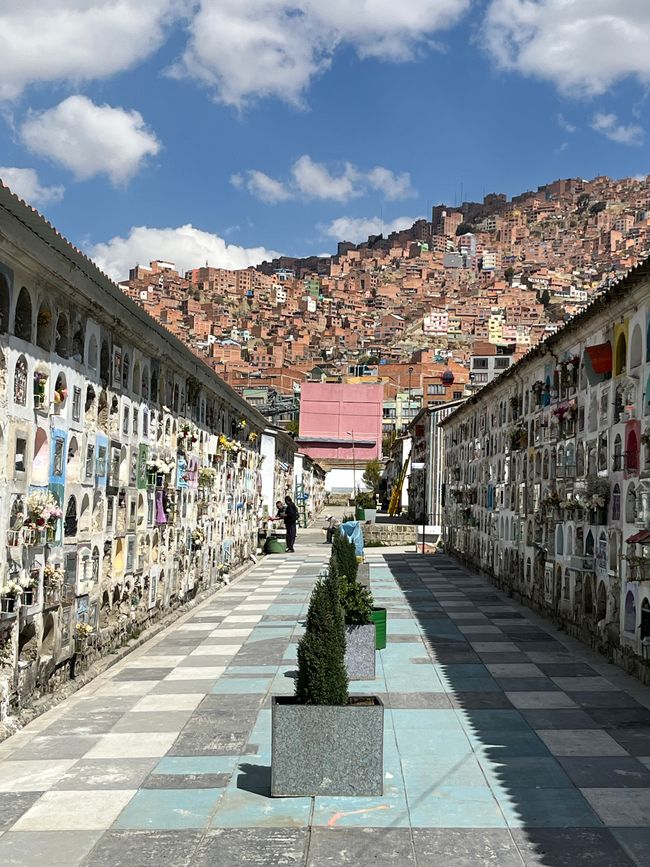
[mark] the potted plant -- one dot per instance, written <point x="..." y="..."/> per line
<point x="9" y="592"/>
<point x="360" y="641"/>
<point x="359" y="611"/>
<point x="82" y="634"/>
<point x="324" y="741"/>
<point x="366" y="507"/>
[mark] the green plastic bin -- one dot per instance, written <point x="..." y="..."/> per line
<point x="275" y="546"/>
<point x="379" y="619"/>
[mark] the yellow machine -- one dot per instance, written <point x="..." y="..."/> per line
<point x="394" y="507"/>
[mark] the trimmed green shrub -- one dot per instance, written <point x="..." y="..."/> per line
<point x="345" y="555"/>
<point x="356" y="602"/>
<point x="322" y="676"/>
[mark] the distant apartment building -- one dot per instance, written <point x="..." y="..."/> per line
<point x="488" y="361"/>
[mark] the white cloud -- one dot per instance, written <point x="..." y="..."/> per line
<point x="566" y="125"/>
<point x="583" y="46"/>
<point x="73" y="40"/>
<point x="357" y="229"/>
<point x="261" y="186"/>
<point x="91" y="139"/>
<point x="243" y="49"/>
<point x="186" y="246"/>
<point x="25" y="183"/>
<point x="608" y="125"/>
<point x="391" y="185"/>
<point x="312" y="180"/>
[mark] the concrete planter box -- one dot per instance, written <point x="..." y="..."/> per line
<point x="327" y="750"/>
<point x="370" y="515"/>
<point x="360" y="651"/>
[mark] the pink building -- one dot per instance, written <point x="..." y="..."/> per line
<point x="330" y="413"/>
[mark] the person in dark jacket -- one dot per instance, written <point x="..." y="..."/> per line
<point x="290" y="521"/>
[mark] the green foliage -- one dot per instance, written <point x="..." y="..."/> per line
<point x="366" y="500"/>
<point x="345" y="556"/>
<point x="322" y="676"/>
<point x="356" y="602"/>
<point x="372" y="475"/>
<point x="464" y="228"/>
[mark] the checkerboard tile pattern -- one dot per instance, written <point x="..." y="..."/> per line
<point x="504" y="742"/>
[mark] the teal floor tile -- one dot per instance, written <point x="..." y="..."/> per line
<point x="402" y="627"/>
<point x="168" y="809"/>
<point x="196" y="765"/>
<point x="234" y="686"/>
<point x="387" y="811"/>
<point x="455" y="807"/>
<point x="239" y="808"/>
<point x="532" y="772"/>
<point x="441" y="770"/>
<point x="421" y="723"/>
<point x="490" y="720"/>
<point x="502" y="745"/>
<point x="546" y="808"/>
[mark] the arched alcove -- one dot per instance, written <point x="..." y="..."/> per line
<point x="41" y="465"/>
<point x="49" y="634"/>
<point x="630" y="613"/>
<point x="630" y="504"/>
<point x="5" y="304"/>
<point x="72" y="470"/>
<point x="62" y="336"/>
<point x="44" y="327"/>
<point x="636" y="347"/>
<point x="20" y="381"/>
<point x="136" y="377"/>
<point x="91" y="359"/>
<point x="23" y="316"/>
<point x="84" y="515"/>
<point x="70" y="522"/>
<point x="620" y="363"/>
<point x="104" y="363"/>
<point x="78" y="340"/>
<point x="126" y="371"/>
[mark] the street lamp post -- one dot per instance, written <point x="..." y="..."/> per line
<point x="354" y="469"/>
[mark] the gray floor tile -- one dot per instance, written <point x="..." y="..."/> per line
<point x="12" y="807"/>
<point x="56" y="747"/>
<point x="106" y="774"/>
<point x="569" y="847"/>
<point x="252" y="847"/>
<point x="144" y="849"/>
<point x="636" y="842"/>
<point x="466" y="847"/>
<point x="364" y="847"/>
<point x="606" y="771"/>
<point x="558" y="718"/>
<point x="627" y="808"/>
<point x="53" y="848"/>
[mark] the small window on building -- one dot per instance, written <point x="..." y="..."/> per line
<point x="20" y="459"/>
<point x="59" y="448"/>
<point x="110" y="511"/>
<point x="457" y="395"/>
<point x="480" y="363"/>
<point x="125" y="420"/>
<point x="76" y="403"/>
<point x="90" y="460"/>
<point x="501" y="363"/>
<point x="20" y="382"/>
<point x="100" y="469"/>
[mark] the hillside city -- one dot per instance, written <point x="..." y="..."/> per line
<point x="478" y="280"/>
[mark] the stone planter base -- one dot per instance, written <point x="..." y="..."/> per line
<point x="327" y="750"/>
<point x="360" y="651"/>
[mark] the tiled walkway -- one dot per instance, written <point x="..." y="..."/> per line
<point x="506" y="743"/>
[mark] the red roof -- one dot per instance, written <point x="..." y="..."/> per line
<point x="601" y="357"/>
<point x="640" y="537"/>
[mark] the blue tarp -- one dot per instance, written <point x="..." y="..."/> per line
<point x="352" y="529"/>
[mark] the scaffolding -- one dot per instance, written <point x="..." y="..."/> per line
<point x="395" y="505"/>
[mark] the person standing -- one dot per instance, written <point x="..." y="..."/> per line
<point x="290" y="521"/>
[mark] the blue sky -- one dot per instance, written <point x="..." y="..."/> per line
<point x="244" y="127"/>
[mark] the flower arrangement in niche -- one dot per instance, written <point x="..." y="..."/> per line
<point x="159" y="466"/>
<point x="60" y="395"/>
<point x="189" y="432"/>
<point x="645" y="437"/>
<point x="198" y="536"/>
<point x="242" y="423"/>
<point x="597" y="492"/>
<point x="53" y="574"/>
<point x="207" y="476"/>
<point x="84" y="630"/>
<point x="253" y="436"/>
<point x="11" y="588"/>
<point x="42" y="511"/>
<point x="40" y="378"/>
